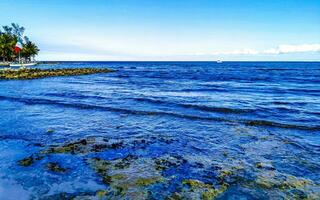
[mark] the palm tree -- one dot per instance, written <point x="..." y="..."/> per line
<point x="29" y="49"/>
<point x="18" y="31"/>
<point x="9" y="36"/>
<point x="7" y="44"/>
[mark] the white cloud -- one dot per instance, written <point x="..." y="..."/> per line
<point x="284" y="52"/>
<point x="237" y="52"/>
<point x="281" y="49"/>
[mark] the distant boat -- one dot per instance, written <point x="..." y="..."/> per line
<point x="219" y="61"/>
<point x="22" y="64"/>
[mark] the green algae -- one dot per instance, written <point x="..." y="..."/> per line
<point x="224" y="173"/>
<point x="271" y="179"/>
<point x="290" y="186"/>
<point x="129" y="182"/>
<point x="101" y="167"/>
<point x="147" y="181"/>
<point x="73" y="148"/>
<point x="125" y="162"/>
<point x="83" y="146"/>
<point x="133" y="177"/>
<point x="118" y="177"/>
<point x="35" y="73"/>
<point x="206" y="191"/>
<point x="196" y="184"/>
<point x="213" y="193"/>
<point x="175" y="196"/>
<point x="101" y="194"/>
<point x="167" y="162"/>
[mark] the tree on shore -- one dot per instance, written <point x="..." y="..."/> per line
<point x="29" y="50"/>
<point x="9" y="37"/>
<point x="7" y="44"/>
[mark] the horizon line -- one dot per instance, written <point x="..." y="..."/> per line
<point x="177" y="61"/>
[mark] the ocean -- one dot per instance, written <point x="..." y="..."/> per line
<point x="163" y="130"/>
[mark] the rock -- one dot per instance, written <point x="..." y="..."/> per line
<point x="207" y="191"/>
<point x="196" y="184"/>
<point x="101" y="193"/>
<point x="50" y="131"/>
<point x="26" y="161"/>
<point x="169" y="162"/>
<point x="55" y="167"/>
<point x="34" y="73"/>
<point x="267" y="166"/>
<point x="146" y="181"/>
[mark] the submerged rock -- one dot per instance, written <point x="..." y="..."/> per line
<point x="55" y="167"/>
<point x="290" y="186"/>
<point x="50" y="131"/>
<point x="203" y="190"/>
<point x="261" y="165"/>
<point x="167" y="162"/>
<point x="26" y="161"/>
<point x="146" y="181"/>
<point x="101" y="193"/>
<point x="88" y="145"/>
<point x="128" y="181"/>
<point x="196" y="184"/>
<point x="101" y="167"/>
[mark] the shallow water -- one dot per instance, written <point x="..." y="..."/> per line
<point x="236" y="129"/>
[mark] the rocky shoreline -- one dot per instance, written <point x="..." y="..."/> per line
<point x="131" y="176"/>
<point x="35" y="73"/>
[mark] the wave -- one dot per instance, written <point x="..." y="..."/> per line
<point x="198" y="107"/>
<point x="224" y="110"/>
<point x="279" y="125"/>
<point x="35" y="101"/>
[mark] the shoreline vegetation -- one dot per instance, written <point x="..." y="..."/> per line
<point x="16" y="50"/>
<point x="15" y="46"/>
<point x="36" y="73"/>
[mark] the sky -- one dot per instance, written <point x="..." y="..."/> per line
<point x="164" y="30"/>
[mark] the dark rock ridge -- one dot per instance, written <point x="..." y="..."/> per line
<point x="34" y="73"/>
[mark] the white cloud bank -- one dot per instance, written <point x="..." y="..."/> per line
<point x="282" y="52"/>
<point x="304" y="48"/>
<point x="281" y="49"/>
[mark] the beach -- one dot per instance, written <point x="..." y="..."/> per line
<point x="163" y="130"/>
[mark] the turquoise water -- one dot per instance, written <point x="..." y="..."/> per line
<point x="163" y="130"/>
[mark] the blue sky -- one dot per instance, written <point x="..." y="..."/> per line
<point x="169" y="29"/>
